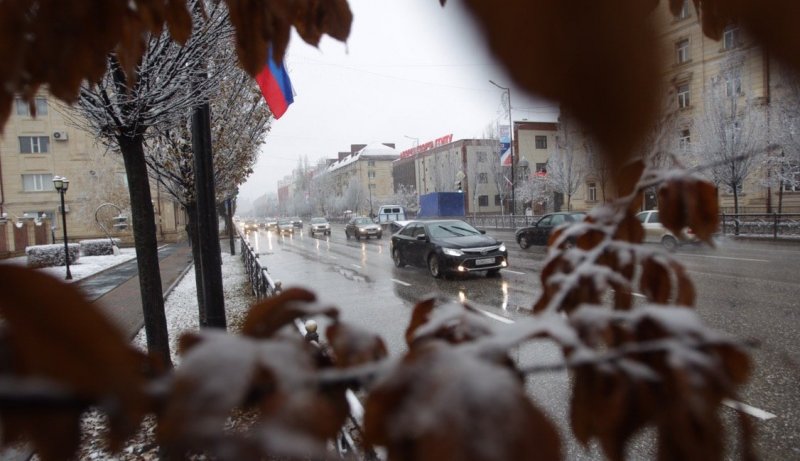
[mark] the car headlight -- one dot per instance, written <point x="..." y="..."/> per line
<point x="452" y="252"/>
<point x="502" y="247"/>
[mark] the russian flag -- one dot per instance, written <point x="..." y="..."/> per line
<point x="505" y="158"/>
<point x="275" y="86"/>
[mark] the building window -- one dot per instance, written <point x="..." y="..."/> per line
<point x="498" y="200"/>
<point x="683" y="96"/>
<point x="682" y="51"/>
<point x="24" y="110"/>
<point x="541" y="142"/>
<point x="371" y="174"/>
<point x="370" y="162"/>
<point x="733" y="86"/>
<point x="483" y="178"/>
<point x="37" y="182"/>
<point x="730" y="37"/>
<point x="483" y="200"/>
<point x="684" y="12"/>
<point x="591" y="191"/>
<point x="34" y="144"/>
<point x="481" y="157"/>
<point x="684" y="140"/>
<point x="541" y="168"/>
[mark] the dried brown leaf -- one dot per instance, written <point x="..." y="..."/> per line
<point x="629" y="229"/>
<point x="272" y="314"/>
<point x="54" y="333"/>
<point x="615" y="40"/>
<point x="178" y="20"/>
<point x="686" y="293"/>
<point x="425" y="409"/>
<point x="655" y="281"/>
<point x="354" y="346"/>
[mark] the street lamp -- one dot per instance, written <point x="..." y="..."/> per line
<point x="62" y="184"/>
<point x="511" y="146"/>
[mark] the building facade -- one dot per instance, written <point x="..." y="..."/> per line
<point x="365" y="173"/>
<point x="33" y="150"/>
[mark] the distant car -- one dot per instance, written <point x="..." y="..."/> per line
<point x="362" y="226"/>
<point x="297" y="222"/>
<point x="319" y="226"/>
<point x="655" y="232"/>
<point x="285" y="226"/>
<point x="539" y="232"/>
<point x="250" y="225"/>
<point x="272" y="223"/>
<point x="448" y="246"/>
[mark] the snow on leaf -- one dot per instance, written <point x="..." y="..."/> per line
<point x="52" y="332"/>
<point x="425" y="409"/>
<point x="272" y="314"/>
<point x="353" y="345"/>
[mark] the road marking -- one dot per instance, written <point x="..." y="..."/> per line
<point x="514" y="272"/>
<point x="494" y="316"/>
<point x="745" y="408"/>
<point x="356" y="266"/>
<point x="401" y="282"/>
<point x="727" y="257"/>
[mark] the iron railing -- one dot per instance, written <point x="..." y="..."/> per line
<point x="761" y="224"/>
<point x="258" y="275"/>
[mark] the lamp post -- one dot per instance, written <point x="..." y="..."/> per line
<point x="511" y="146"/>
<point x="61" y="185"/>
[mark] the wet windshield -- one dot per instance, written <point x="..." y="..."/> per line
<point x="451" y="229"/>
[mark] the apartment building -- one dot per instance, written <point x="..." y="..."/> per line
<point x="33" y="150"/>
<point x="367" y="165"/>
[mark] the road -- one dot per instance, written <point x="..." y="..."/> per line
<point x="748" y="289"/>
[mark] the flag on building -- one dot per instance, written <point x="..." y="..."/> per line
<point x="275" y="86"/>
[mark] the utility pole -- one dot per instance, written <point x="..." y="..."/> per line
<point x="511" y="146"/>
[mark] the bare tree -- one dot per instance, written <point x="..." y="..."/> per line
<point x="731" y="129"/>
<point x="121" y="110"/>
<point x="566" y="170"/>
<point x="782" y="164"/>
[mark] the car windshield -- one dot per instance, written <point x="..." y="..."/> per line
<point x="283" y="221"/>
<point x="451" y="229"/>
<point x="318" y="220"/>
<point x="363" y="221"/>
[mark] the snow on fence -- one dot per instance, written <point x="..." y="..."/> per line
<point x="99" y="247"/>
<point x="773" y="225"/>
<point x="258" y="275"/>
<point x="51" y="255"/>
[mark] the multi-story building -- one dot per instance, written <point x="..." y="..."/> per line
<point x="368" y="166"/>
<point x="33" y="150"/>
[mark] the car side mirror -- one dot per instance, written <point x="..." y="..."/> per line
<point x="482" y="231"/>
<point x="422" y="237"/>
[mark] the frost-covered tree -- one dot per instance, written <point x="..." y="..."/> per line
<point x="322" y="193"/>
<point x="782" y="164"/>
<point x="566" y="169"/>
<point x="121" y="110"/>
<point x="732" y="129"/>
<point x="353" y="197"/>
<point x="406" y="196"/>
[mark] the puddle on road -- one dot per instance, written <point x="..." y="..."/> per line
<point x="350" y="274"/>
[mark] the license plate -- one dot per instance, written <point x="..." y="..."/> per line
<point x="484" y="261"/>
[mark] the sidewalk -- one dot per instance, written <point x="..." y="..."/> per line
<point x="116" y="290"/>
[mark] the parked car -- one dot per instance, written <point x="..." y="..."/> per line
<point x="297" y="222"/>
<point x="655" y="232"/>
<point x="285" y="226"/>
<point x="539" y="232"/>
<point x="447" y="246"/>
<point x="362" y="226"/>
<point x="319" y="226"/>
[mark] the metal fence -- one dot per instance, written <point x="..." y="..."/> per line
<point x="258" y="275"/>
<point x="762" y="225"/>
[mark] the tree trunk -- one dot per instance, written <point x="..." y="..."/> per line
<point x="144" y="231"/>
<point x="192" y="229"/>
<point x="736" y="208"/>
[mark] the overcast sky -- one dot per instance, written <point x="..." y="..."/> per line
<point x="410" y="69"/>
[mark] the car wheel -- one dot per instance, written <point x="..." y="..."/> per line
<point x="434" y="267"/>
<point x="328" y="233"/>
<point x="669" y="242"/>
<point x="493" y="273"/>
<point x="523" y="242"/>
<point x="379" y="236"/>
<point x="358" y="237"/>
<point x="398" y="260"/>
<point x="347" y="234"/>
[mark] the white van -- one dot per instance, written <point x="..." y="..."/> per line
<point x="390" y="213"/>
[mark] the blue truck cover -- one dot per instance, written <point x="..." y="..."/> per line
<point x="441" y="204"/>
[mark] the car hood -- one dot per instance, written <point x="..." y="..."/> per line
<point x="469" y="241"/>
<point x="368" y="226"/>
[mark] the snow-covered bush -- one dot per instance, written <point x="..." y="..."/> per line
<point x="98" y="247"/>
<point x="51" y="255"/>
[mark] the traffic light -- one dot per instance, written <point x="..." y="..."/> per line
<point x="458" y="186"/>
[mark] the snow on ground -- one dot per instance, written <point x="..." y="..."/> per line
<point x="83" y="267"/>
